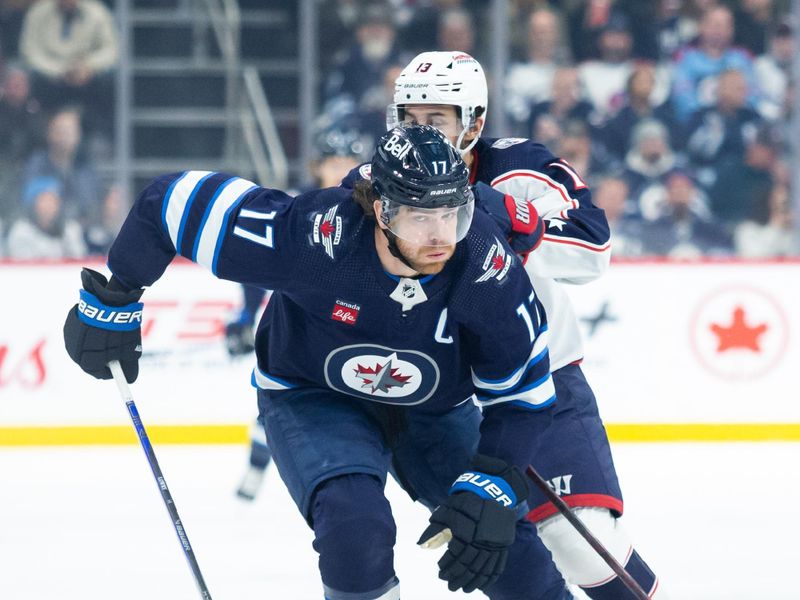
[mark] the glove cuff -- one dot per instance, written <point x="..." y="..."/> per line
<point x="512" y="475"/>
<point x="487" y="487"/>
<point x="93" y="312"/>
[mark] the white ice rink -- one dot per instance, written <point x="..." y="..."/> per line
<point x="717" y="521"/>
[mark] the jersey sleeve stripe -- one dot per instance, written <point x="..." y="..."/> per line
<point x="177" y="201"/>
<point x="268" y="382"/>
<point x="538" y="352"/>
<point x="549" y="181"/>
<point x="212" y="226"/>
<point x="585" y="245"/>
<point x="538" y="397"/>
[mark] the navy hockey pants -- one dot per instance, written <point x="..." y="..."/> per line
<point x="319" y="437"/>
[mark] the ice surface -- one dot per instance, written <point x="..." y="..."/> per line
<point x="717" y="521"/>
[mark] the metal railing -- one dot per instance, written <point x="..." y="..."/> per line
<point x="250" y="125"/>
<point x="261" y="135"/>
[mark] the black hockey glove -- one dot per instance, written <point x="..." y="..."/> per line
<point x="481" y="518"/>
<point x="518" y="219"/>
<point x="105" y="325"/>
<point x="239" y="338"/>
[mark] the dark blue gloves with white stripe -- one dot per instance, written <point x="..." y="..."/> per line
<point x="478" y="520"/>
<point x="105" y="325"/>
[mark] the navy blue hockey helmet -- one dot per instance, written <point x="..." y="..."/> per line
<point x="423" y="184"/>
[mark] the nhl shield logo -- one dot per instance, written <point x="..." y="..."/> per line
<point x="328" y="230"/>
<point x="739" y="333"/>
<point x="496" y="264"/>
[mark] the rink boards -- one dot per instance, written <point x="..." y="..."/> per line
<point x="674" y="351"/>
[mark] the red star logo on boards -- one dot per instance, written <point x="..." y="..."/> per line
<point x="326" y="228"/>
<point x="498" y="262"/>
<point x="738" y="334"/>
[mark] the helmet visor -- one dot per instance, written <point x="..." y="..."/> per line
<point x="440" y="226"/>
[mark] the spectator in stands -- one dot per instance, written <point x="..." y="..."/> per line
<point x="370" y="120"/>
<point x="422" y="32"/>
<point x="648" y="161"/>
<point x="676" y="28"/>
<point x="683" y="230"/>
<point x="71" y="49"/>
<point x="45" y="232"/>
<point x="603" y="79"/>
<point x="611" y="194"/>
<point x="718" y="134"/>
<point x="64" y="160"/>
<point x="360" y="70"/>
<point x="104" y="226"/>
<point x="777" y="237"/>
<point x="529" y="82"/>
<point x="697" y="67"/>
<point x="456" y="31"/>
<point x="577" y="149"/>
<point x="20" y="123"/>
<point x="753" y="21"/>
<point x="773" y="72"/>
<point x="639" y="104"/>
<point x="743" y="188"/>
<point x="566" y="103"/>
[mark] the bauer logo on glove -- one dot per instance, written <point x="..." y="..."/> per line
<point x="95" y="313"/>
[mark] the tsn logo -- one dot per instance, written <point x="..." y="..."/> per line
<point x="487" y="485"/>
<point x="168" y="321"/>
<point x="396" y="149"/>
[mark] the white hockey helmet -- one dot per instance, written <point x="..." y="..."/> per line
<point x="450" y="78"/>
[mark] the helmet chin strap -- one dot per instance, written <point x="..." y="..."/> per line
<point x="460" y="140"/>
<point x="395" y="251"/>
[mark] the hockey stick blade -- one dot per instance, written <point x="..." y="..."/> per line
<point x="166" y="496"/>
<point x="565" y="510"/>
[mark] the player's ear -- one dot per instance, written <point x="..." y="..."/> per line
<point x="378" y="208"/>
<point x="476" y="129"/>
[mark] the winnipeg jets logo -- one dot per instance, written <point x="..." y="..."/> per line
<point x="328" y="230"/>
<point x="496" y="264"/>
<point x="381" y="377"/>
<point x="381" y="374"/>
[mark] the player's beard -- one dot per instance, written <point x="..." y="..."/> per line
<point x="426" y="260"/>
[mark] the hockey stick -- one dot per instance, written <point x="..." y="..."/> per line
<point x="565" y="510"/>
<point x="127" y="397"/>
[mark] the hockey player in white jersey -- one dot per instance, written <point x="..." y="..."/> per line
<point x="448" y="90"/>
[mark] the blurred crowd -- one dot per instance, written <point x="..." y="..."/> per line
<point x="57" y="61"/>
<point x="677" y="112"/>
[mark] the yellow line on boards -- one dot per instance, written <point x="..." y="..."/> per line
<point x="704" y="432"/>
<point x="238" y="434"/>
<point x="122" y="434"/>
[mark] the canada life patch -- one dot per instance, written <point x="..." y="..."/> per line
<point x="346" y="312"/>
<point x="328" y="230"/>
<point x="496" y="264"/>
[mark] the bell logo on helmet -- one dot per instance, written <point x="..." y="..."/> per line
<point x="395" y="148"/>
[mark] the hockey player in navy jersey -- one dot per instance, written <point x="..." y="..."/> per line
<point x="448" y="91"/>
<point x="396" y="305"/>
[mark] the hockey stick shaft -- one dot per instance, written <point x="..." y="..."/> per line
<point x="565" y="510"/>
<point x="166" y="496"/>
